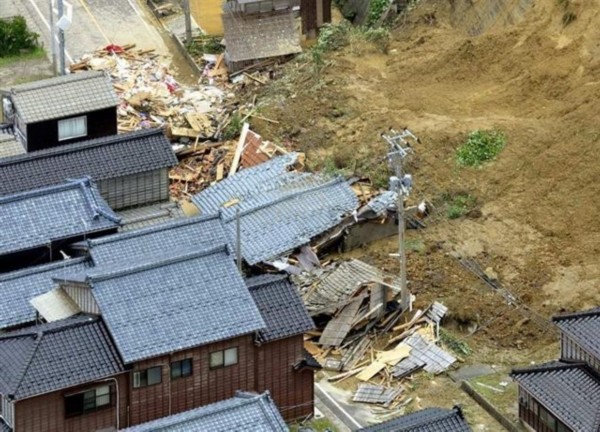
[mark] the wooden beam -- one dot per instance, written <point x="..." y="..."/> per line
<point x="240" y="147"/>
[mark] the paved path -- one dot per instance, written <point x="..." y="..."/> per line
<point x="96" y="23"/>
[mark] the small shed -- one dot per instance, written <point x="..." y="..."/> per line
<point x="250" y="38"/>
<point x="62" y="110"/>
<point x="36" y="225"/>
<point x="130" y="169"/>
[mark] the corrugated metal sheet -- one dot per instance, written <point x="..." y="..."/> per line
<point x="55" y="305"/>
<point x="435" y="358"/>
<point x="83" y="297"/>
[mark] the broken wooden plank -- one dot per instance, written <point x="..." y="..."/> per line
<point x="238" y="150"/>
<point x="220" y="168"/>
<point x="184" y="132"/>
<point x="346" y="374"/>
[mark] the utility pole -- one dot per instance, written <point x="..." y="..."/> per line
<point x="188" y="21"/>
<point x="400" y="183"/>
<point x="61" y="39"/>
<point x="52" y="36"/>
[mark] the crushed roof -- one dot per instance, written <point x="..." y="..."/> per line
<point x="158" y="242"/>
<point x="63" y="96"/>
<point x="247" y="412"/>
<point x="56" y="355"/>
<point x="583" y="327"/>
<point x="160" y="307"/>
<point x="260" y="36"/>
<point x="281" y="307"/>
<point x="36" y="218"/>
<point x="17" y="288"/>
<point x="279" y="210"/>
<point x="427" y="420"/>
<point x="338" y="285"/>
<point x="570" y="391"/>
<point x="100" y="158"/>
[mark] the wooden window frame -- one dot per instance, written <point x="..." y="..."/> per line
<point x="223" y="363"/>
<point x="84" y="117"/>
<point x="180" y="363"/>
<point x="95" y="398"/>
<point x="140" y="373"/>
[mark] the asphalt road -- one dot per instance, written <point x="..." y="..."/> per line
<point x="345" y="413"/>
<point x="96" y="23"/>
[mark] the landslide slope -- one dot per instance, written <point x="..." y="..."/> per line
<point x="530" y="69"/>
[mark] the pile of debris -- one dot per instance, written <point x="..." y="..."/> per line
<point x="204" y="164"/>
<point x="358" y="310"/>
<point x="151" y="97"/>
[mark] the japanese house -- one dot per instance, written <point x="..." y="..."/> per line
<point x="38" y="224"/>
<point x="427" y="420"/>
<point x="564" y="395"/>
<point x="61" y="110"/>
<point x="187" y="331"/>
<point x="243" y="411"/>
<point x="130" y="169"/>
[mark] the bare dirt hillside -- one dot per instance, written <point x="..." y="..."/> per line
<point x="530" y="69"/>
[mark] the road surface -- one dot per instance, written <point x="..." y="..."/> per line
<point x="97" y="23"/>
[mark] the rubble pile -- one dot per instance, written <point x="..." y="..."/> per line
<point x="364" y="333"/>
<point x="151" y="97"/>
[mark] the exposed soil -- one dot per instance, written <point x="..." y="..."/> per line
<point x="453" y="67"/>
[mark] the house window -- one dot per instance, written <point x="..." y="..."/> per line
<point x="223" y="358"/>
<point x="182" y="368"/>
<point x="84" y="402"/>
<point x="147" y="377"/>
<point x="72" y="128"/>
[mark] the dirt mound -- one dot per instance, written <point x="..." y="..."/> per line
<point x="530" y="69"/>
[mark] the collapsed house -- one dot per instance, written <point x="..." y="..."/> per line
<point x="279" y="210"/>
<point x="61" y="110"/>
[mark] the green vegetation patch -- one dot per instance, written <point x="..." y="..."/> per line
<point x="481" y="146"/>
<point x="205" y="44"/>
<point x="15" y="37"/>
<point x="317" y="425"/>
<point x="459" y="205"/>
<point x="234" y="128"/>
<point x="376" y="9"/>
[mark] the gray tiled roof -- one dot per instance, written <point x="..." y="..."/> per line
<point x="17" y="288"/>
<point x="9" y="146"/>
<point x="259" y="36"/>
<point x="35" y="218"/>
<point x="63" y="96"/>
<point x="583" y="328"/>
<point x="570" y="391"/>
<point x="100" y="158"/>
<point x="160" y="307"/>
<point x="427" y="420"/>
<point x="55" y="356"/>
<point x="150" y="215"/>
<point x="244" y="412"/>
<point x="158" y="242"/>
<point x="280" y="306"/>
<point x="279" y="210"/>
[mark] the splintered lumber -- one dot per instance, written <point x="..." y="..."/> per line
<point x="220" y="168"/>
<point x="348" y="374"/>
<point x="413" y="321"/>
<point x="383" y="359"/>
<point x="184" y="132"/>
<point x="313" y="349"/>
<point x="238" y="150"/>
